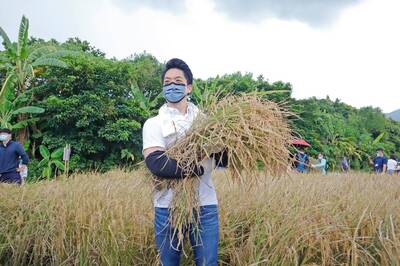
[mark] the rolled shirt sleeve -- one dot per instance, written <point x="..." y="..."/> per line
<point x="152" y="134"/>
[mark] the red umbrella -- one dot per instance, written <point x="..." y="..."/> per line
<point x="301" y="142"/>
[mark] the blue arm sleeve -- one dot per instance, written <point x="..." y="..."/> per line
<point x="162" y="166"/>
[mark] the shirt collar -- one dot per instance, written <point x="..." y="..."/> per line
<point x="173" y="112"/>
<point x="8" y="144"/>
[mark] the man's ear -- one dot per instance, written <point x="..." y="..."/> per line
<point x="189" y="88"/>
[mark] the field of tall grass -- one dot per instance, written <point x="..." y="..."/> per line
<point x="106" y="219"/>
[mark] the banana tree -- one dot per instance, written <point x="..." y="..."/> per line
<point x="206" y="93"/>
<point x="9" y="108"/>
<point x="148" y="106"/>
<point x="51" y="161"/>
<point x="22" y="62"/>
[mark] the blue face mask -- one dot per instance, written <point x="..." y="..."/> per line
<point x="174" y="92"/>
<point x="3" y="137"/>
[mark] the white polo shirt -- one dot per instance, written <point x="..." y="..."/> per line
<point x="163" y="131"/>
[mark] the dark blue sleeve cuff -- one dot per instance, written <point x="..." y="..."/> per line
<point x="162" y="166"/>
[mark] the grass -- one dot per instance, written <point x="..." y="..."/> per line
<point x="107" y="219"/>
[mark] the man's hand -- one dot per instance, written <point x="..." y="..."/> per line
<point x="370" y="160"/>
<point x="22" y="168"/>
<point x="208" y="165"/>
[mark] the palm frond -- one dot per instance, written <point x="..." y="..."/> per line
<point x="20" y="125"/>
<point x="141" y="99"/>
<point x="6" y="85"/>
<point x="5" y="106"/>
<point x="22" y="96"/>
<point x="3" y="59"/>
<point x="6" y="40"/>
<point x="25" y="123"/>
<point x="48" y="61"/>
<point x="28" y="69"/>
<point x="5" y="122"/>
<point x="28" y="110"/>
<point x="50" y="51"/>
<point x="154" y="102"/>
<point x="22" y="47"/>
<point x="40" y="51"/>
<point x="6" y="66"/>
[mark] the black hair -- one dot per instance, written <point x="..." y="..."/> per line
<point x="380" y="149"/>
<point x="5" y="130"/>
<point x="393" y="157"/>
<point x="179" y="64"/>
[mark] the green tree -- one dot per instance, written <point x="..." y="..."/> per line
<point x="96" y="105"/>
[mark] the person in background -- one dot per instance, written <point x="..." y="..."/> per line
<point x="11" y="152"/>
<point x="392" y="165"/>
<point x="345" y="164"/>
<point x="321" y="165"/>
<point x="379" y="162"/>
<point x="302" y="161"/>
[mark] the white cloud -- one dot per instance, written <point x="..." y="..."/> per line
<point x="314" y="12"/>
<point x="355" y="59"/>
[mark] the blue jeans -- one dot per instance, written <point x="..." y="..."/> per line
<point x="204" y="242"/>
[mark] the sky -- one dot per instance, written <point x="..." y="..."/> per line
<point x="347" y="49"/>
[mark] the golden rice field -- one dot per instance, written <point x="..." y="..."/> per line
<point x="106" y="219"/>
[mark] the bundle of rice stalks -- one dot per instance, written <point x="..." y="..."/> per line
<point x="253" y="131"/>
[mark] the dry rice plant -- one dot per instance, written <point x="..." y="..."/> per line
<point x="107" y="219"/>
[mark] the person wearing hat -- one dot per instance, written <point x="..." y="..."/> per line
<point x="11" y="154"/>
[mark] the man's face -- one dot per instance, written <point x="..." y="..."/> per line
<point x="379" y="153"/>
<point x="5" y="136"/>
<point x="177" y="76"/>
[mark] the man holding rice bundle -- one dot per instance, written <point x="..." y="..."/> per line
<point x="174" y="119"/>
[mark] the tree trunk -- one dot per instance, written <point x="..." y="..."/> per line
<point x="22" y="134"/>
